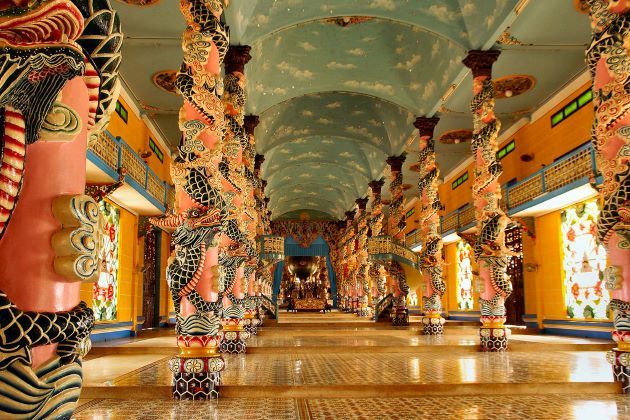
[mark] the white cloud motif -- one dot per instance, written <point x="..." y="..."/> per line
<point x="334" y="105"/>
<point x="324" y="121"/>
<point x="372" y="86"/>
<point x="357" y="51"/>
<point x="294" y="71"/>
<point x="333" y="65"/>
<point x="307" y="113"/>
<point x="307" y="46"/>
<point x="408" y="65"/>
<point x="383" y="4"/>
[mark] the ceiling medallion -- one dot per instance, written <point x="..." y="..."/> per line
<point x="344" y="21"/>
<point x="456" y="136"/>
<point x="513" y="85"/>
<point x="507" y="38"/>
<point x="165" y="80"/>
<point x="140" y="2"/>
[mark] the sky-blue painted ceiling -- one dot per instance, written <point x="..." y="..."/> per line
<point x="338" y="83"/>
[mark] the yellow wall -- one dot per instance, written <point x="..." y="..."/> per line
<point x="538" y="139"/>
<point x="136" y="134"/>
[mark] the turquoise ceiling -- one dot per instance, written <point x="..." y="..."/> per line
<point x="338" y="83"/>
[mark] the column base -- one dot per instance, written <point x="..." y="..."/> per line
<point x="233" y="336"/>
<point x="251" y="327"/>
<point x="364" y="312"/>
<point x="494" y="339"/>
<point x="400" y="318"/>
<point x="620" y="361"/>
<point x="196" y="378"/>
<point x="433" y="325"/>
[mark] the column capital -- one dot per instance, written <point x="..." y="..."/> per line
<point x="258" y="161"/>
<point x="396" y="162"/>
<point x="376" y="185"/>
<point x="236" y="58"/>
<point x="426" y="125"/>
<point x="480" y="62"/>
<point x="362" y="203"/>
<point x="250" y="123"/>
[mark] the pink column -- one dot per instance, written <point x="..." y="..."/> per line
<point x="607" y="59"/>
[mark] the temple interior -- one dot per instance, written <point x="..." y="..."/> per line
<point x="305" y="209"/>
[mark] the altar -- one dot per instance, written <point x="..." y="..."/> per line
<point x="310" y="304"/>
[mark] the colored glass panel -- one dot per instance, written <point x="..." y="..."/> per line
<point x="556" y="118"/>
<point x="464" y="276"/>
<point x="585" y="98"/>
<point x="584" y="262"/>
<point x="571" y="108"/>
<point x="105" y="290"/>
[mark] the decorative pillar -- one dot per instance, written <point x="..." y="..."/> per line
<point x="397" y="222"/>
<point x="55" y="91"/>
<point x="362" y="269"/>
<point x="252" y="170"/>
<point x="202" y="211"/>
<point x="241" y="249"/>
<point x="490" y="250"/>
<point x="377" y="271"/>
<point x="431" y="261"/>
<point x="607" y="60"/>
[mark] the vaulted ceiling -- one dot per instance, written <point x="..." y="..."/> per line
<point x="338" y="83"/>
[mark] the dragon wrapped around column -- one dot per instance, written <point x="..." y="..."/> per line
<point x="362" y="271"/>
<point x="608" y="60"/>
<point x="397" y="222"/>
<point x="490" y="249"/>
<point x="377" y="271"/>
<point x="202" y="220"/>
<point x="238" y="260"/>
<point x="431" y="262"/>
<point x="53" y="68"/>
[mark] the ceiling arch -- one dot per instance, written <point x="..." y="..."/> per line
<point x="452" y="19"/>
<point x="381" y="58"/>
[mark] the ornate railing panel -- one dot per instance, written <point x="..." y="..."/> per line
<point x="381" y="305"/>
<point x="271" y="248"/>
<point x="386" y="248"/>
<point x="578" y="165"/>
<point x="114" y="154"/>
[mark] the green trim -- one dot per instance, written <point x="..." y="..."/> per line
<point x="155" y="149"/>
<point x="459" y="181"/>
<point x="410" y="212"/>
<point x="506" y="150"/>
<point x="122" y="112"/>
<point x="570" y="108"/>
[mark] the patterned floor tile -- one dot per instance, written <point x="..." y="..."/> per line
<point x="240" y="408"/>
<point x="473" y="408"/>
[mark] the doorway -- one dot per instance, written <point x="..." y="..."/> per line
<point x="151" y="279"/>
<point x="515" y="303"/>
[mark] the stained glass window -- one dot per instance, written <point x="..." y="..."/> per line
<point x="584" y="262"/>
<point x="464" y="276"/>
<point x="104" y="294"/>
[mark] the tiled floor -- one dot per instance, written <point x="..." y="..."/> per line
<point x="292" y="359"/>
<point x="430" y="408"/>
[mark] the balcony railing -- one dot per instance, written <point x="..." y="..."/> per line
<point x="112" y="154"/>
<point x="573" y="170"/>
<point x="271" y="248"/>
<point x="386" y="248"/>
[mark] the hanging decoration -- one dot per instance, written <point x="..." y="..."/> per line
<point x="464" y="276"/>
<point x="105" y="290"/>
<point x="583" y="263"/>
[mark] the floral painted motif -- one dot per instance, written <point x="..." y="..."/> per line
<point x="105" y="290"/>
<point x="584" y="263"/>
<point x="464" y="276"/>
